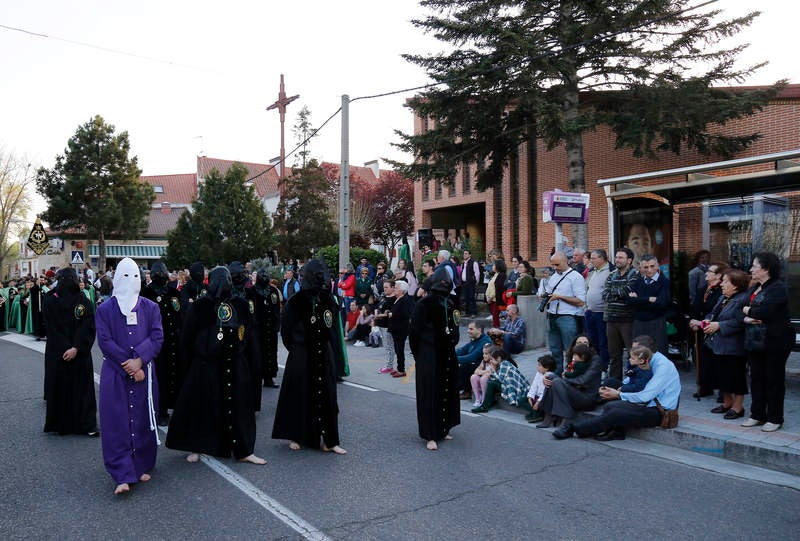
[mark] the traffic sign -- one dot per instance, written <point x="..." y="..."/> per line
<point x="77" y="257"/>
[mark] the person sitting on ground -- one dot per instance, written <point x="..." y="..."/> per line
<point x="351" y="319"/>
<point x="545" y="364"/>
<point x="363" y="324"/>
<point x="513" y="331"/>
<point x="469" y="357"/>
<point x="507" y="380"/>
<point x="576" y="390"/>
<point x="479" y="379"/>
<point x="632" y="410"/>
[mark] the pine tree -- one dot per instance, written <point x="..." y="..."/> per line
<point x="228" y="223"/>
<point x="518" y="71"/>
<point x="95" y="187"/>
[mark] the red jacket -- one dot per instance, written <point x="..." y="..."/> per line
<point x="348" y="285"/>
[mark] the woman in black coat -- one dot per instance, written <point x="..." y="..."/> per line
<point x="433" y="336"/>
<point x="768" y="339"/>
<point x="704" y="303"/>
<point x="307" y="409"/>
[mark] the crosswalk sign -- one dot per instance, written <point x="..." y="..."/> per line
<point x="77" y="257"/>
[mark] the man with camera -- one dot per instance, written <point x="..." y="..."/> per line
<point x="513" y="331"/>
<point x="563" y="299"/>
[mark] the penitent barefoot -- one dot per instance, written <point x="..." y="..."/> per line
<point x="145" y="477"/>
<point x="253" y="459"/>
<point x="294" y="446"/>
<point x="194" y="457"/>
<point x="335" y="449"/>
<point x="122" y="489"/>
<point x="432" y="445"/>
<point x="448" y="437"/>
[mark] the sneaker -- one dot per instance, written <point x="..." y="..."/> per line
<point x="359" y="344"/>
<point x="477" y="403"/>
<point x="770" y="427"/>
<point x="386" y="370"/>
<point x="752" y="422"/>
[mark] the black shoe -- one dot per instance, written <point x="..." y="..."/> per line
<point x="270" y="383"/>
<point x="610" y="435"/>
<point x="720" y="409"/>
<point x="733" y="414"/>
<point x="339" y="379"/>
<point x="566" y="431"/>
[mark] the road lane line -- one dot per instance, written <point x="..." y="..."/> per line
<point x="281" y="512"/>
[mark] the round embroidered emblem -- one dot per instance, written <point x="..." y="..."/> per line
<point x="456" y="317"/>
<point x="328" y="317"/>
<point x="225" y="312"/>
<point x="274" y="298"/>
<point x="80" y="311"/>
<point x="252" y="307"/>
<point x="176" y="304"/>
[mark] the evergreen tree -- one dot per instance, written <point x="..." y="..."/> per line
<point x="302" y="215"/>
<point x="520" y="70"/>
<point x="95" y="187"/>
<point x="228" y="223"/>
<point x="303" y="132"/>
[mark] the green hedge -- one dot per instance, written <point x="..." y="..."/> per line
<point x="330" y="254"/>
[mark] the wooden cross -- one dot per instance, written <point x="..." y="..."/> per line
<point x="280" y="105"/>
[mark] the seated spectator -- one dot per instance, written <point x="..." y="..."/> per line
<point x="469" y="357"/>
<point x="633" y="410"/>
<point x="576" y="390"/>
<point x="479" y="380"/>
<point x="545" y="364"/>
<point x="350" y="320"/>
<point x="507" y="380"/>
<point x="513" y="331"/>
<point x="363" y="324"/>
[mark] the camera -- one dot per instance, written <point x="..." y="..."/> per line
<point x="544" y="301"/>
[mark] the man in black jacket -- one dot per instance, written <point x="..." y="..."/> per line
<point x="399" y="321"/>
<point x="470" y="274"/>
<point x="650" y="296"/>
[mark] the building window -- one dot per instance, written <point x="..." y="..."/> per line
<point x="425" y="187"/>
<point x="438" y="189"/>
<point x="158" y="189"/>
<point x="451" y="189"/>
<point x="466" y="181"/>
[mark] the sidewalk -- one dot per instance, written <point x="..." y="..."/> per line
<point x="701" y="431"/>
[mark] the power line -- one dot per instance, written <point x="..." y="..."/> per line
<point x="101" y="48"/>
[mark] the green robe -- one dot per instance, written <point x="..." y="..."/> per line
<point x="90" y="294"/>
<point x="15" y="316"/>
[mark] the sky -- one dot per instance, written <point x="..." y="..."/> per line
<point x="197" y="76"/>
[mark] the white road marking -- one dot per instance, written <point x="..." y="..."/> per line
<point x="281" y="512"/>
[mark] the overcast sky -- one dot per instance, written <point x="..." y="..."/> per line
<point x="199" y="75"/>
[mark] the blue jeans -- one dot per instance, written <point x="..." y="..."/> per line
<point x="511" y="345"/>
<point x="563" y="330"/>
<point x="595" y="329"/>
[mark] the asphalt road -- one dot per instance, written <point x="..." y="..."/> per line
<point x="495" y="480"/>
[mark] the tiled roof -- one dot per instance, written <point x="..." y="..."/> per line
<point x="177" y="189"/>
<point x="160" y="222"/>
<point x="266" y="183"/>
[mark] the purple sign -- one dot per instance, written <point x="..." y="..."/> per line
<point x="565" y="207"/>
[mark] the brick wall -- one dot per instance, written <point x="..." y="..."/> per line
<point x="778" y="123"/>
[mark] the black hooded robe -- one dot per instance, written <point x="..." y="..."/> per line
<point x="69" y="385"/>
<point x="214" y="414"/>
<point x="307" y="407"/>
<point x="433" y="347"/>
<point x="168" y="366"/>
<point x="267" y="301"/>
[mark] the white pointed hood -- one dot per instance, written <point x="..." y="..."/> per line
<point x="127" y="284"/>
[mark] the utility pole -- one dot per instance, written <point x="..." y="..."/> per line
<point x="344" y="187"/>
<point x="280" y="105"/>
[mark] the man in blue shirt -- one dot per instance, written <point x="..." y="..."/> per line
<point x="633" y="410"/>
<point x="469" y="357"/>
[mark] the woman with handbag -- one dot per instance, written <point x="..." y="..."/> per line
<point x="703" y="305"/>
<point x="723" y="329"/>
<point x="768" y="340"/>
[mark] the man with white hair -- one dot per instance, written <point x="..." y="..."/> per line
<point x="399" y="322"/>
<point x="443" y="260"/>
<point x="130" y="336"/>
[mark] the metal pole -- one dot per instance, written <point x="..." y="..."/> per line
<point x="344" y="187"/>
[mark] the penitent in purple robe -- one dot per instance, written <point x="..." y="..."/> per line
<point x="127" y="427"/>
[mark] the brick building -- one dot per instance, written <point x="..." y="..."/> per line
<point x="509" y="217"/>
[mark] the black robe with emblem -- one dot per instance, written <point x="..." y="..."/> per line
<point x="214" y="413"/>
<point x="434" y="353"/>
<point x="169" y="369"/>
<point x="36" y="306"/>
<point x="267" y="300"/>
<point x="69" y="385"/>
<point x="194" y="287"/>
<point x="307" y="407"/>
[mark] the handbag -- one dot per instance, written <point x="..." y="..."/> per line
<point x="755" y="337"/>
<point x="669" y="418"/>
